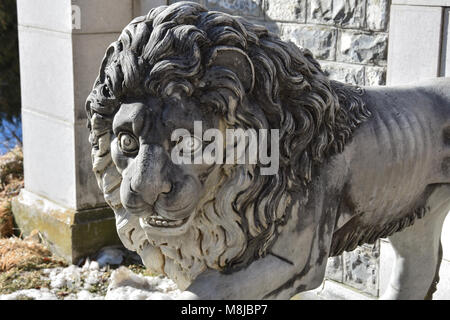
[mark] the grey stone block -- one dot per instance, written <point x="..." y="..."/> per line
<point x="100" y="16"/>
<point x="88" y="52"/>
<point x="175" y="1"/>
<point x="439" y="3"/>
<point x="49" y="164"/>
<point x="88" y="195"/>
<point x="320" y="11"/>
<point x="53" y="14"/>
<point x="445" y="46"/>
<point x="272" y="26"/>
<point x="348" y="73"/>
<point x="237" y="7"/>
<point x="414" y="48"/>
<point x="362" y="47"/>
<point x="377" y="16"/>
<point x="361" y="268"/>
<point x="142" y="7"/>
<point x="375" y="76"/>
<point x="320" y="40"/>
<point x="46" y="72"/>
<point x="286" y="10"/>
<point x="335" y="269"/>
<point x="68" y="233"/>
<point x="344" y="13"/>
<point x="387" y="258"/>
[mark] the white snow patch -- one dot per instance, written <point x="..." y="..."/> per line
<point x="126" y="285"/>
<point x="35" y="294"/>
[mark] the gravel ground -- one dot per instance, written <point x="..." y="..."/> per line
<point x="98" y="280"/>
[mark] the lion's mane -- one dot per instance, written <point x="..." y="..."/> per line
<point x="166" y="51"/>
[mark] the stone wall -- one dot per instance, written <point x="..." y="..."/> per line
<point x="350" y="39"/>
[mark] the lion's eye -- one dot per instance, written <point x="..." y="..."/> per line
<point x="128" y="143"/>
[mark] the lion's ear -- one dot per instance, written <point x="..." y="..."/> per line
<point x="237" y="61"/>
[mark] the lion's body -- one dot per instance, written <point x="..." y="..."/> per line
<point x="395" y="160"/>
<point x="354" y="165"/>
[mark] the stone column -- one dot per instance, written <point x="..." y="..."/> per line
<point x="61" y="44"/>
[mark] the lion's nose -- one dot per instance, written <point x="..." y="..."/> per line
<point x="149" y="176"/>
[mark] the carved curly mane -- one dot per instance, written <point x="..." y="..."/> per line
<point x="166" y="51"/>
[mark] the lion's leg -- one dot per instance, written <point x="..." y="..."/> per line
<point x="435" y="281"/>
<point x="416" y="248"/>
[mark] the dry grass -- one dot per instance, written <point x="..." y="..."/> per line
<point x="16" y="279"/>
<point x="11" y="166"/>
<point x="6" y="220"/>
<point x="22" y="261"/>
<point x="25" y="255"/>
<point x="11" y="181"/>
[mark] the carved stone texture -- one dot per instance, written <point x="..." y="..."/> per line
<point x="361" y="268"/>
<point x="361" y="47"/>
<point x="344" y="13"/>
<point x="354" y="165"/>
<point x="237" y="7"/>
<point x="377" y="15"/>
<point x="286" y="10"/>
<point x="196" y="1"/>
<point x="320" y="40"/>
<point x="344" y="72"/>
<point x="335" y="269"/>
<point x="375" y="76"/>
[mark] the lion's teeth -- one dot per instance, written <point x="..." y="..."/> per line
<point x="161" y="222"/>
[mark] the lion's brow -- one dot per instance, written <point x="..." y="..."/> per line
<point x="133" y="121"/>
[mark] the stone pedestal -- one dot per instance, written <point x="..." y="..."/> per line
<point x="61" y="44"/>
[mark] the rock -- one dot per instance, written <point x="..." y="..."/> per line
<point x="320" y="40"/>
<point x="69" y="277"/>
<point x="286" y="10"/>
<point x="361" y="268"/>
<point x="86" y="295"/>
<point x="241" y="7"/>
<point x="348" y="73"/>
<point x="126" y="285"/>
<point x="34" y="236"/>
<point x="335" y="269"/>
<point x="30" y="294"/>
<point x="94" y="265"/>
<point x="377" y="14"/>
<point x="343" y="13"/>
<point x="320" y="11"/>
<point x="362" y="47"/>
<point x="111" y="256"/>
<point x="375" y="76"/>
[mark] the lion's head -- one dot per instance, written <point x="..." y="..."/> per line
<point x="183" y="63"/>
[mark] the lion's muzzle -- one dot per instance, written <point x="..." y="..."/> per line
<point x="157" y="190"/>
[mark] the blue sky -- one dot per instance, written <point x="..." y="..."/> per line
<point x="9" y="126"/>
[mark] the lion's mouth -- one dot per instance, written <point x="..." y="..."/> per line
<point x="160" y="222"/>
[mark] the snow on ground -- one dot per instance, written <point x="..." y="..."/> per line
<point x="86" y="282"/>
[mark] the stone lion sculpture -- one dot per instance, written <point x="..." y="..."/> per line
<point x="355" y="164"/>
